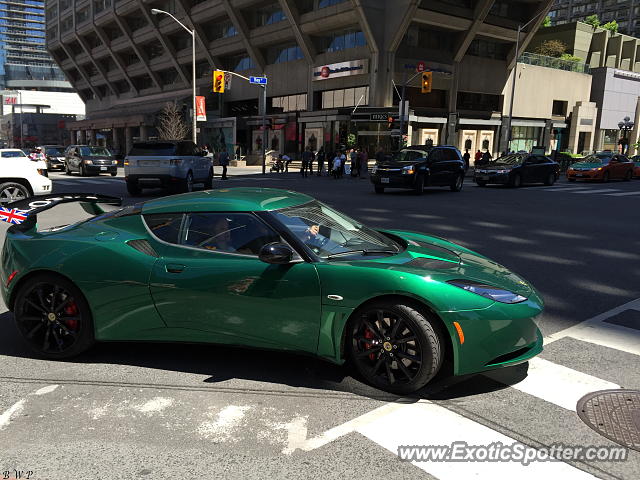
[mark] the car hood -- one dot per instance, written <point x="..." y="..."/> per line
<point x="395" y="164"/>
<point x="500" y="166"/>
<point x="444" y="260"/>
<point x="98" y="157"/>
<point x="587" y="165"/>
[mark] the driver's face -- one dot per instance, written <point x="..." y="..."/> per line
<point x="314" y="230"/>
<point x="222" y="228"/>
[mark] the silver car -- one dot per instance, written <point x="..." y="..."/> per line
<point x="175" y="165"/>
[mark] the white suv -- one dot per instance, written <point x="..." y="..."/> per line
<point x="20" y="177"/>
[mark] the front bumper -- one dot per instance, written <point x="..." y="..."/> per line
<point x="393" y="180"/>
<point x="55" y="163"/>
<point x="499" y="336"/>
<point x="500" y="178"/>
<point x="42" y="186"/>
<point x="94" y="169"/>
<point x="585" y="175"/>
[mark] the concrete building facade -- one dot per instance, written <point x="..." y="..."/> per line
<point x="335" y="67"/>
<point x="625" y="12"/>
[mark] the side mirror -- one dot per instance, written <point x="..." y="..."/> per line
<point x="276" y="253"/>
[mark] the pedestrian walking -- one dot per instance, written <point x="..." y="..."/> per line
<point x="320" y="159"/>
<point x="486" y="157"/>
<point x="223" y="159"/>
<point x="286" y="160"/>
<point x="307" y="158"/>
<point x="364" y="163"/>
<point x="337" y="166"/>
<point x="466" y="157"/>
<point x="353" y="157"/>
<point x="478" y="156"/>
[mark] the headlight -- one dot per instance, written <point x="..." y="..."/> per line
<point x="374" y="169"/>
<point x="596" y="169"/>
<point x="488" y="291"/>
<point x="408" y="170"/>
<point x="88" y="162"/>
<point x="504" y="171"/>
<point x="114" y="162"/>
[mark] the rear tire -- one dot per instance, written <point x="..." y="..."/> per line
<point x="628" y="176"/>
<point x="12" y="191"/>
<point x="551" y="179"/>
<point x="187" y="184"/>
<point x="571" y="179"/>
<point x="418" y="188"/>
<point x="133" y="188"/>
<point x="378" y="188"/>
<point x="53" y="317"/>
<point x="394" y="347"/>
<point x="457" y="185"/>
<point x="113" y="174"/>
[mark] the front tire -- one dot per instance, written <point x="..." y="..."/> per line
<point x="418" y="188"/>
<point x="12" y="191"/>
<point x="53" y="317"/>
<point x="628" y="176"/>
<point x="133" y="188"/>
<point x="208" y="183"/>
<point x="516" y="181"/>
<point x="550" y="180"/>
<point x="394" y="346"/>
<point x="605" y="177"/>
<point x="113" y="174"/>
<point x="378" y="188"/>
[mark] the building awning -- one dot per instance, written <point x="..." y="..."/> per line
<point x="528" y="123"/>
<point x="414" y="118"/>
<point x="480" y="121"/>
<point x="560" y="125"/>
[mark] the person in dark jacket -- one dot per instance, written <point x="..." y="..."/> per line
<point x="307" y="158"/>
<point x="320" y="158"/>
<point x="223" y="158"/>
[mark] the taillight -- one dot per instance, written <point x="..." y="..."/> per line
<point x="126" y="163"/>
<point x="11" y="277"/>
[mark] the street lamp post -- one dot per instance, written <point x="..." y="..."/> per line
<point x="156" y="11"/>
<point x="515" y="74"/>
<point x="625" y="126"/>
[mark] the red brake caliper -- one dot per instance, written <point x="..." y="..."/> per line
<point x="369" y="335"/>
<point x="71" y="309"/>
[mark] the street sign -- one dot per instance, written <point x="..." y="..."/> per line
<point x="258" y="80"/>
<point x="227" y="81"/>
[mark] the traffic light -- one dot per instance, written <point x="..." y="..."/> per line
<point x="427" y="78"/>
<point x="218" y="82"/>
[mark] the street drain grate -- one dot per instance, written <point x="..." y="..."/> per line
<point x="614" y="414"/>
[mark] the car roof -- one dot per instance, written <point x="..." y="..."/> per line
<point x="241" y="199"/>
<point x="11" y="150"/>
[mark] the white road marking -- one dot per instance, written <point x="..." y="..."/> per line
<point x="425" y="423"/>
<point x="15" y="409"/>
<point x="45" y="390"/>
<point x="154" y="405"/>
<point x="227" y="420"/>
<point x="558" y="384"/>
<point x="568" y="189"/>
<point x="623" y="194"/>
<point x="601" y="190"/>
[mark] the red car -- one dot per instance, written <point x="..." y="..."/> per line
<point x="603" y="167"/>
<point x="636" y="169"/>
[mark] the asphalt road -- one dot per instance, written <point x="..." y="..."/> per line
<point x="146" y="410"/>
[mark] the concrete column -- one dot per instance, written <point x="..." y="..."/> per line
<point x="72" y="137"/>
<point x="92" y="137"/>
<point x="634" y="136"/>
<point x="503" y="140"/>
<point x="546" y="135"/>
<point x="83" y="137"/>
<point x="116" y="138"/>
<point x="128" y="138"/>
<point x="143" y="132"/>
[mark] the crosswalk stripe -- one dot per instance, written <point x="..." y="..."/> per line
<point x="558" y="384"/>
<point x="568" y="189"/>
<point x="601" y="190"/>
<point x="425" y="423"/>
<point x="624" y="194"/>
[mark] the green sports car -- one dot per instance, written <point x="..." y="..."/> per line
<point x="265" y="268"/>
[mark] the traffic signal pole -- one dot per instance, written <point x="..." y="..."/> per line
<point x="405" y="82"/>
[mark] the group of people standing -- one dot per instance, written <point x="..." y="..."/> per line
<point x="335" y="162"/>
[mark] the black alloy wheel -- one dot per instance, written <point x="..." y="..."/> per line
<point x="605" y="177"/>
<point x="53" y="317"/>
<point x="395" y="347"/>
<point x="458" y="183"/>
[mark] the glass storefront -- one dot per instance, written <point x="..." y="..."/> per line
<point x="525" y="138"/>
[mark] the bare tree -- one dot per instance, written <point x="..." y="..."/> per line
<point x="171" y="124"/>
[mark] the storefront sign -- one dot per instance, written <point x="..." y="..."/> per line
<point x="342" y="69"/>
<point x="201" y="109"/>
<point x="10" y="100"/>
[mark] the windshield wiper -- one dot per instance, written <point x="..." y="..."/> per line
<point x="362" y="251"/>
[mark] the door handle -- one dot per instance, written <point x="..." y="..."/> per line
<point x="174" y="268"/>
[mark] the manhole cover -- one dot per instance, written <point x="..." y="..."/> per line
<point x="614" y="414"/>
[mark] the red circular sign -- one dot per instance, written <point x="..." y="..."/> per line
<point x="420" y="67"/>
<point x="325" y="72"/>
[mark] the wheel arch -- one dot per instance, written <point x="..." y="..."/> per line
<point x="421" y="306"/>
<point x="22" y="181"/>
<point x="16" y="288"/>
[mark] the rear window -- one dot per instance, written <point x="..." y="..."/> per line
<point x="12" y="154"/>
<point x="153" y="149"/>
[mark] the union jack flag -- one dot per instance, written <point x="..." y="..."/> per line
<point x="12" y="215"/>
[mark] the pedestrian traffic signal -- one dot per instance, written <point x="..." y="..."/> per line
<point x="218" y="82"/>
<point x="427" y="78"/>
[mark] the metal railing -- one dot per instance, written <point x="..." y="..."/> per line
<point x="552" y="62"/>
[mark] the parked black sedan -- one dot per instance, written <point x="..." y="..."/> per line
<point x="418" y="167"/>
<point x="517" y="169"/>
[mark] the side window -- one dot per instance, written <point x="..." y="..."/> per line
<point x="451" y="154"/>
<point x="436" y="155"/>
<point x="414" y="156"/>
<point x="165" y="226"/>
<point x="70" y="151"/>
<point x="240" y="233"/>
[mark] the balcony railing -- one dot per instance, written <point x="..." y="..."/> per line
<point x="552" y="62"/>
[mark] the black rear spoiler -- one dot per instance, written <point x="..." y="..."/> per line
<point x="22" y="214"/>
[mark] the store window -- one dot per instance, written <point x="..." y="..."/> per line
<point x="340" y="40"/>
<point x="283" y="53"/>
<point x="348" y="97"/>
<point x="481" y="47"/>
<point x="238" y="63"/>
<point x="290" y="103"/>
<point x="524" y="138"/>
<point x="266" y="15"/>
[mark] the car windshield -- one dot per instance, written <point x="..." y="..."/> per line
<point x="330" y="234"/>
<point x="153" y="149"/>
<point x="513" y="159"/>
<point x="55" y="151"/>
<point x="13" y="154"/>
<point x="408" y="155"/>
<point x="94" y="152"/>
<point x="604" y="159"/>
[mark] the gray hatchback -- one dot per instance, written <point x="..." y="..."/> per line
<point x="175" y="165"/>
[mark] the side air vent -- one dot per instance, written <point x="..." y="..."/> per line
<point x="143" y="246"/>
<point x="430" y="263"/>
